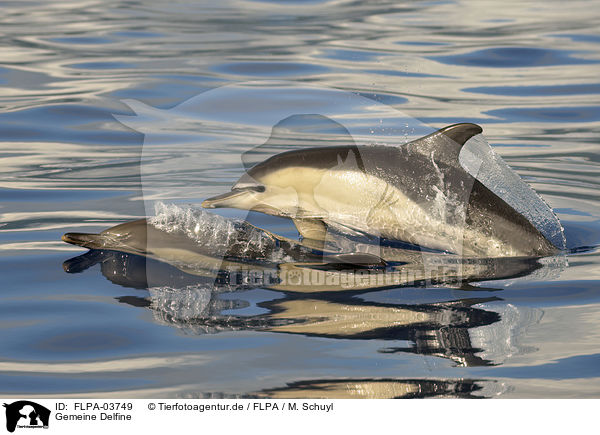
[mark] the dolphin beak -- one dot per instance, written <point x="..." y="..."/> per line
<point x="230" y="199"/>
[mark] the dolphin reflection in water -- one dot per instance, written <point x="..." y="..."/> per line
<point x="382" y="389"/>
<point x="371" y="388"/>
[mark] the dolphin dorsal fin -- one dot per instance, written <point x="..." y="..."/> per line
<point x="460" y="133"/>
<point x="446" y="143"/>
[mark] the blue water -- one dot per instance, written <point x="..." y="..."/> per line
<point x="528" y="74"/>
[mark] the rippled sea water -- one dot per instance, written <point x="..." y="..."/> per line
<point x="526" y="72"/>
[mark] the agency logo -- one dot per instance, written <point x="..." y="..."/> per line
<point x="25" y="414"/>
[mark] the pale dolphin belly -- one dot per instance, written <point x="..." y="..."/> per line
<point x="367" y="203"/>
<point x="353" y="201"/>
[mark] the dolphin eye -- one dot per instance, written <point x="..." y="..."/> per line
<point x="255" y="188"/>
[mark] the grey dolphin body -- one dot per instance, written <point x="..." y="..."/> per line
<point x="417" y="193"/>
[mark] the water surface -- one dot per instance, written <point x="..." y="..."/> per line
<point x="528" y="74"/>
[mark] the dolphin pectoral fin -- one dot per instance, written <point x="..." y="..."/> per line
<point x="314" y="229"/>
<point x="318" y="245"/>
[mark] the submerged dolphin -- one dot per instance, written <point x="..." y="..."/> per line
<point x="417" y="193"/>
<point x="208" y="244"/>
<point x="204" y="254"/>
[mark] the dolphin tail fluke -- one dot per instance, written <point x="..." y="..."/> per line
<point x="90" y="241"/>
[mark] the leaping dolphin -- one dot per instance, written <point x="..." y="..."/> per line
<point x="417" y="193"/>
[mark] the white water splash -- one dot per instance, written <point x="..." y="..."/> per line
<point x="222" y="237"/>
<point x="480" y="160"/>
